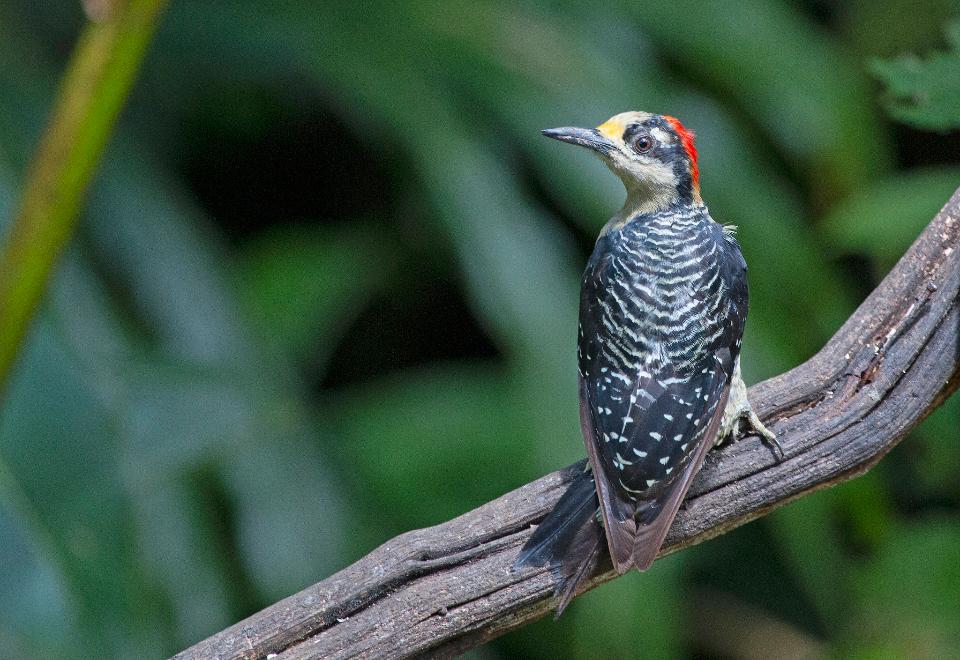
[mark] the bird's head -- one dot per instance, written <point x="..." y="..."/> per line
<point x="654" y="156"/>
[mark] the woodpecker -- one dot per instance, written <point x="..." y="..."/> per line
<point x="663" y="304"/>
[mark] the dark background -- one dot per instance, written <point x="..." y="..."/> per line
<point x="324" y="291"/>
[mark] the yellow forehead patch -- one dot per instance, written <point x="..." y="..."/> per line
<point x="612" y="128"/>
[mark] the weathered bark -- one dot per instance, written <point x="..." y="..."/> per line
<point x="442" y="590"/>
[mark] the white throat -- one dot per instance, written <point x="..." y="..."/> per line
<point x="643" y="197"/>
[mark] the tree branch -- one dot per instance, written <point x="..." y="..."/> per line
<point x="442" y="590"/>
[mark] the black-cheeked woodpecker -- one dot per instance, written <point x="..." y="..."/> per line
<point x="662" y="308"/>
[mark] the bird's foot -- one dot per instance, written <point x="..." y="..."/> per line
<point x="746" y="422"/>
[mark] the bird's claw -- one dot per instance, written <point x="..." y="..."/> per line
<point x="747" y="423"/>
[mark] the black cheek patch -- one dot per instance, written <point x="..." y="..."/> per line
<point x="666" y="153"/>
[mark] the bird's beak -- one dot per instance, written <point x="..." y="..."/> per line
<point x="585" y="137"/>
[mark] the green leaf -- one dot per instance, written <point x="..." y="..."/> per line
<point x="933" y="457"/>
<point x="822" y="574"/>
<point x="924" y="93"/>
<point x="33" y="596"/>
<point x="57" y="435"/>
<point x="656" y="603"/>
<point x="455" y="422"/>
<point x="883" y="219"/>
<point x="302" y="286"/>
<point x="210" y="399"/>
<point x="291" y="512"/>
<point x="169" y="259"/>
<point x="907" y="594"/>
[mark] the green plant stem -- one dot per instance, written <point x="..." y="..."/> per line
<point x="95" y="85"/>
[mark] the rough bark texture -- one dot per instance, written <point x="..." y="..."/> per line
<point x="442" y="590"/>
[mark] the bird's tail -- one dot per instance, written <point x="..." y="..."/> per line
<point x="570" y="539"/>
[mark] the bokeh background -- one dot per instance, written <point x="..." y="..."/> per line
<point x="324" y="291"/>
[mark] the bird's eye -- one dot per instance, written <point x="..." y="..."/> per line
<point x="642" y="143"/>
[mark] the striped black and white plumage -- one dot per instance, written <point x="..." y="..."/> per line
<point x="662" y="310"/>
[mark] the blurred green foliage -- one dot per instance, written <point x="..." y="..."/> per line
<point x="324" y="291"/>
<point x="925" y="93"/>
